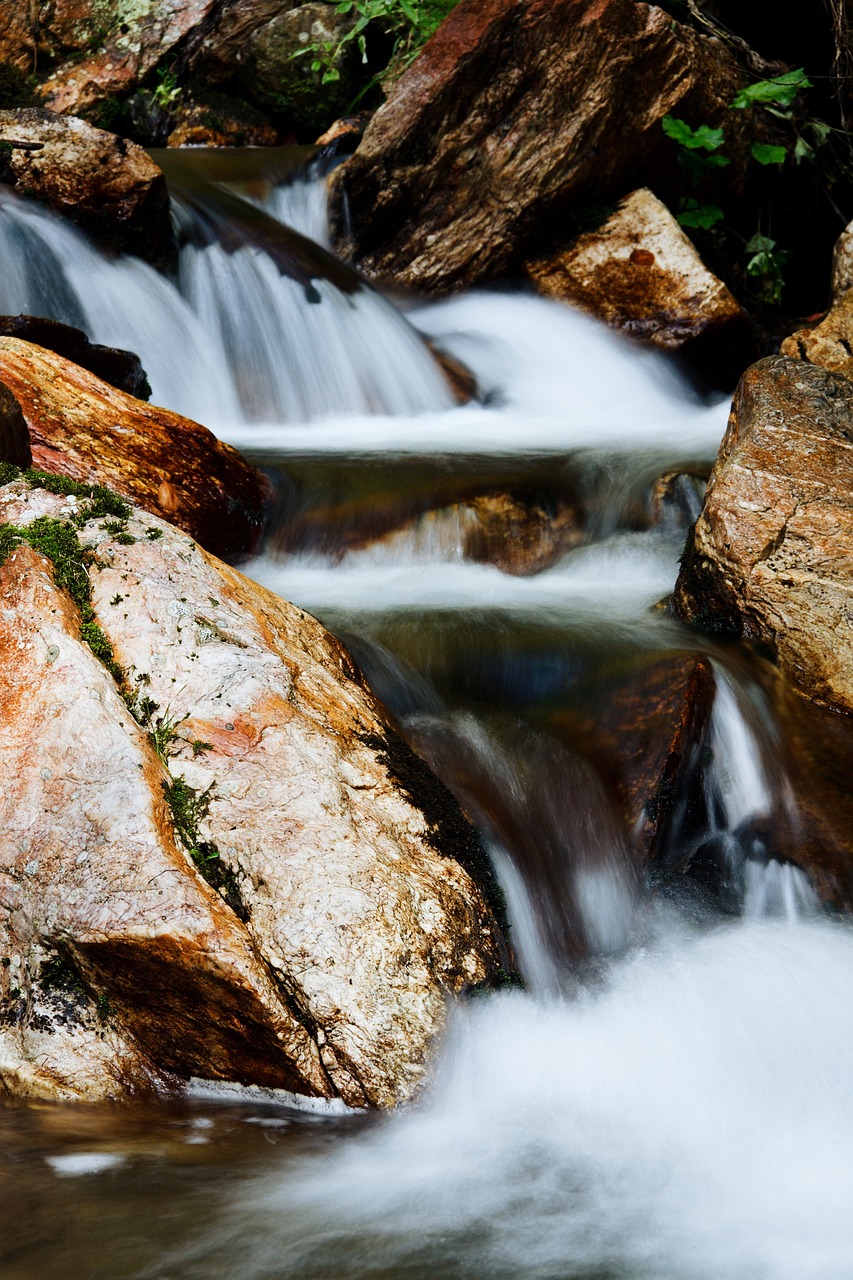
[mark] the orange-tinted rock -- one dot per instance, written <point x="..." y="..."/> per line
<point x="199" y="123"/>
<point x="771" y="555"/>
<point x="830" y="343"/>
<point x="109" y="187"/>
<point x="510" y="113"/>
<point x="119" y="368"/>
<point x="82" y="427"/>
<point x="124" y="966"/>
<point x="639" y="273"/>
<point x="18" y="37"/>
<point x="121" y="47"/>
<point x="642" y="731"/>
<point x="355" y="921"/>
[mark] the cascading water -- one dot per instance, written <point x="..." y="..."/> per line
<point x="669" y="1098"/>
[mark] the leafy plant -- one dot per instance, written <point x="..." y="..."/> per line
<point x="700" y="152"/>
<point x="409" y="24"/>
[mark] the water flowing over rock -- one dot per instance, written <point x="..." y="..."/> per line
<point x="641" y="274"/>
<point x="84" y="428"/>
<point x="346" y="918"/>
<point x="121" y="369"/>
<point x="769" y="557"/>
<point x="109" y="187"/>
<point x="529" y="101"/>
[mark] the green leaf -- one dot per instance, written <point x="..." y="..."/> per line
<point x="694" y="214"/>
<point x="803" y="150"/>
<point x="781" y="90"/>
<point x="760" y="244"/>
<point x="765" y="153"/>
<point x="820" y="130"/>
<point x="409" y="12"/>
<point x="704" y="138"/>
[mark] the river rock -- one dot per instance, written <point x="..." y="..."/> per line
<point x="113" y="48"/>
<point x="119" y="368"/>
<point x="642" y="728"/>
<point x="830" y="343"/>
<point x="512" y="112"/>
<point x="256" y="48"/>
<point x="842" y="264"/>
<point x="107" y="186"/>
<point x="203" y="119"/>
<point x="350" y="919"/>
<point x="770" y="556"/>
<point x="90" y="431"/>
<point x="14" y="435"/>
<point x="640" y="274"/>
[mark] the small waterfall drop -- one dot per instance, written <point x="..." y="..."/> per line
<point x="233" y="341"/>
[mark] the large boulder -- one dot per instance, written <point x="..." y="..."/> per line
<point x="104" y="51"/>
<point x="771" y="556"/>
<point x="109" y="187"/>
<point x="217" y="858"/>
<point x="512" y="112"/>
<point x="640" y="274"/>
<point x="85" y="429"/>
<point x="261" y="50"/>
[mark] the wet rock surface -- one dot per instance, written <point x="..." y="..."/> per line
<point x="769" y="557"/>
<point x="643" y="731"/>
<point x="107" y="186"/>
<point x="640" y="274"/>
<point x="14" y="435"/>
<point x="529" y="101"/>
<point x="355" y="920"/>
<point x="121" y="369"/>
<point x="84" y="428"/>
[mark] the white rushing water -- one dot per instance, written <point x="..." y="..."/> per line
<point x="667" y="1100"/>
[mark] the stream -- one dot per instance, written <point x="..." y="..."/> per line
<point x="668" y="1097"/>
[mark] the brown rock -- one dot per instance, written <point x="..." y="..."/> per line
<point x="14" y="436"/>
<point x="528" y="101"/>
<point x="18" y="30"/>
<point x="358" y="918"/>
<point x="81" y="427"/>
<point x="253" y="47"/>
<point x="97" y="903"/>
<point x="106" y="185"/>
<point x="842" y="264"/>
<point x="120" y="47"/>
<point x="830" y="343"/>
<point x="639" y="273"/>
<point x="771" y="556"/>
<point x="675" y="500"/>
<point x="202" y="124"/>
<point x="642" y="731"/>
<point x="120" y="369"/>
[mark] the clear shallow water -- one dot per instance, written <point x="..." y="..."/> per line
<point x="670" y="1097"/>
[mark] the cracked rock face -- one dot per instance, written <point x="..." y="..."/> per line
<point x="126" y="969"/>
<point x="769" y="557"/>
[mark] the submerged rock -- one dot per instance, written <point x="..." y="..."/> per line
<point x="84" y="428"/>
<point x="641" y="274"/>
<point x="256" y="759"/>
<point x="109" y="187"/>
<point x="545" y="103"/>
<point x="770" y="556"/>
<point x="643" y="729"/>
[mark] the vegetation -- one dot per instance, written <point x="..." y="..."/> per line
<point x="406" y="25"/>
<point x="782" y="134"/>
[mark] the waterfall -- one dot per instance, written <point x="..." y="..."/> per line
<point x="669" y="1095"/>
<point x="232" y="341"/>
